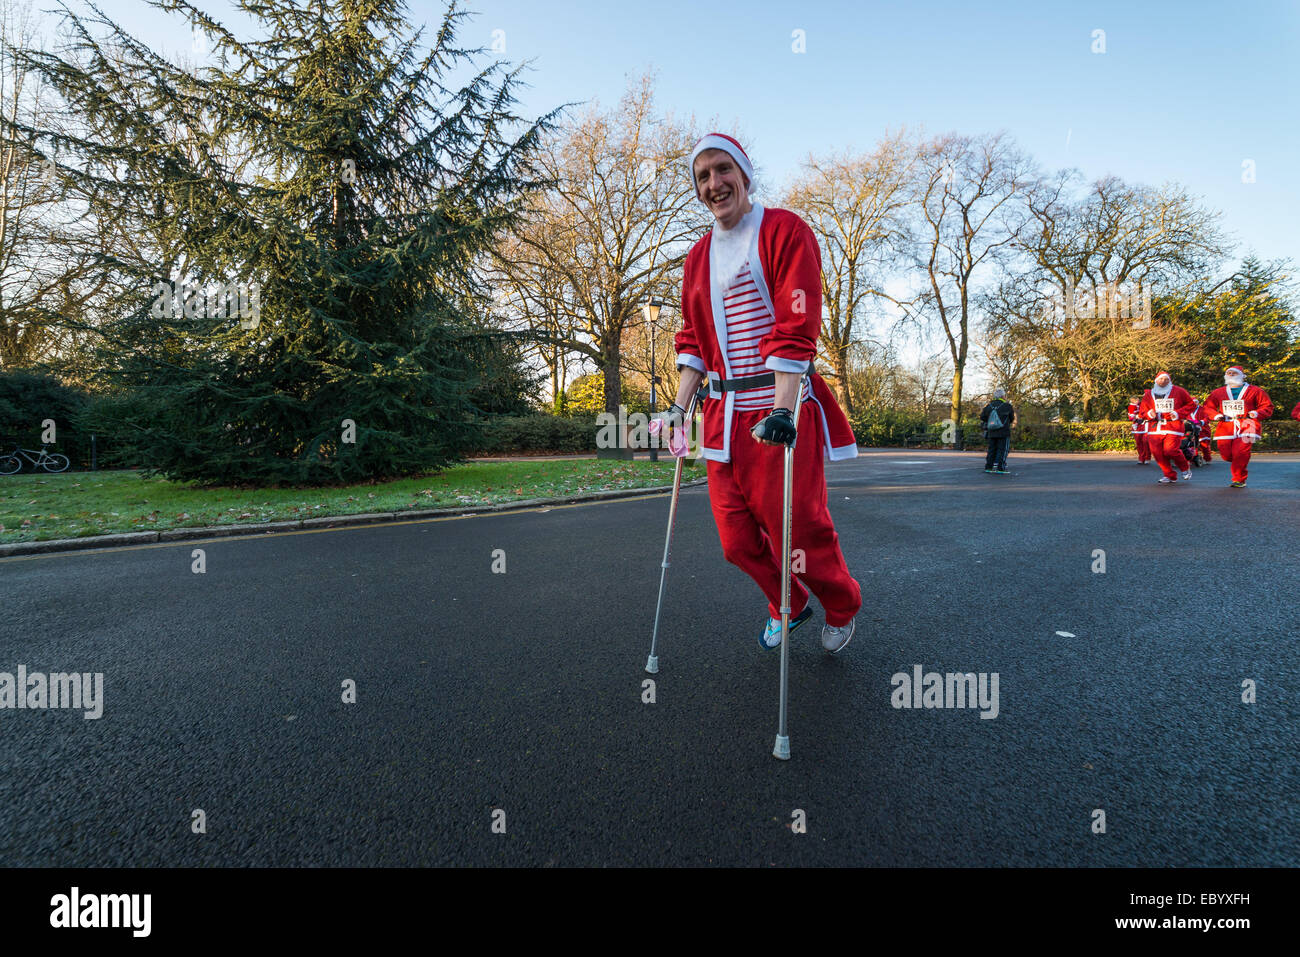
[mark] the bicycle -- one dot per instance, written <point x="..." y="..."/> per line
<point x="11" y="463"/>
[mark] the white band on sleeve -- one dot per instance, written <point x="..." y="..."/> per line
<point x="777" y="364"/>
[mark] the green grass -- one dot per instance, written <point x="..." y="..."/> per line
<point x="39" y="507"/>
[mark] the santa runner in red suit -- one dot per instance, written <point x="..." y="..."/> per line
<point x="751" y="315"/>
<point x="1201" y="431"/>
<point x="1165" y="407"/>
<point x="1205" y="427"/>
<point x="1295" y="413"/>
<point x="1237" y="408"/>
<point x="1139" y="433"/>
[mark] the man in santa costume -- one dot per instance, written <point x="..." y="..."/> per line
<point x="1139" y="431"/>
<point x="1204" y="429"/>
<point x="751" y="315"/>
<point x="1236" y="408"/>
<point x="1165" y="407"/>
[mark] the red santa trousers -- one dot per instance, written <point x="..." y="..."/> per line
<point x="747" y="493"/>
<point x="1166" y="449"/>
<point x="1237" y="453"/>
<point x="1144" y="451"/>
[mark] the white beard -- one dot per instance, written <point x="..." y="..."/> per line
<point x="1160" y="393"/>
<point x="1234" y="383"/>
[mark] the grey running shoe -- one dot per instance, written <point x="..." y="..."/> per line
<point x="834" y="639"/>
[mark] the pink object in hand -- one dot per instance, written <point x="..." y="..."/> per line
<point x="676" y="438"/>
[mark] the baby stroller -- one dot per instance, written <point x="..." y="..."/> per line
<point x="1191" y="445"/>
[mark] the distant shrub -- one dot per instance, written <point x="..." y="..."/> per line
<point x="524" y="434"/>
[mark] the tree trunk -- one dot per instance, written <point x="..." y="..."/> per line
<point x="954" y="408"/>
<point x="610" y="368"/>
<point x="840" y="362"/>
<point x="552" y="360"/>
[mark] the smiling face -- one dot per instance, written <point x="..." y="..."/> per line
<point x="722" y="187"/>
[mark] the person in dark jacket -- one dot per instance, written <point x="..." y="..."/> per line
<point x="996" y="421"/>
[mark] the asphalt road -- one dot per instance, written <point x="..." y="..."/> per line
<point x="522" y="692"/>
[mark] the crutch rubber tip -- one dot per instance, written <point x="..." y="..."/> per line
<point x="782" y="749"/>
<point x="652" y="664"/>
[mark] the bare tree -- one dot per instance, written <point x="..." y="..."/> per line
<point x="1095" y="270"/>
<point x="969" y="199"/>
<point x="1014" y="363"/>
<point x="870" y="375"/>
<point x="855" y="206"/>
<point x="613" y="232"/>
<point x="931" y="378"/>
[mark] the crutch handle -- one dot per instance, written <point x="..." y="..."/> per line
<point x="677" y="443"/>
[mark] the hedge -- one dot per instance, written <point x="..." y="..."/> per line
<point x="1280" y="435"/>
<point x="523" y="434"/>
<point x="888" y="429"/>
<point x="874" y="428"/>
<point x="30" y="397"/>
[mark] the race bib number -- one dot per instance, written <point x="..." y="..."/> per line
<point x="1234" y="406"/>
<point x="1164" y="406"/>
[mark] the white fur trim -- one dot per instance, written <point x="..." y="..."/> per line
<point x="842" y="452"/>
<point x="720" y="333"/>
<point x="778" y="364"/>
<point x="838" y="452"/>
<point x="694" y="362"/>
<point x="775" y="363"/>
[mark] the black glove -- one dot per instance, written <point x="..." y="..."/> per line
<point x="673" y="416"/>
<point x="776" y="429"/>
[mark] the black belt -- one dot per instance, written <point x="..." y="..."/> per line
<point x="745" y="382"/>
<point x="748" y="381"/>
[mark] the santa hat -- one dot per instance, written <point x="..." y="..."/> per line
<point x="720" y="141"/>
<point x="1159" y="375"/>
<point x="1238" y="370"/>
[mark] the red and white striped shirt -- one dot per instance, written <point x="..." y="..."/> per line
<point x="748" y="321"/>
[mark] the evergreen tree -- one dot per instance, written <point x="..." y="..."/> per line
<point x="316" y="199"/>
<point x="1250" y="324"/>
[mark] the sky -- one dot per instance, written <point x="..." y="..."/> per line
<point x="1184" y="92"/>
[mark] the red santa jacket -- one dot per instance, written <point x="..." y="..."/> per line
<point x="1139" y="425"/>
<point x="789" y="281"/>
<point x="1254" y="399"/>
<point x="1167" y="423"/>
<point x="1295" y="413"/>
<point x="1199" y="416"/>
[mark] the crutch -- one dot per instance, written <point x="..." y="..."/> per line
<point x="782" y="749"/>
<point x="688" y="421"/>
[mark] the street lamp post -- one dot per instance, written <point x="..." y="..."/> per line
<point x="651" y="317"/>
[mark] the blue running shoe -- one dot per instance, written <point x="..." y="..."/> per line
<point x="772" y="635"/>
